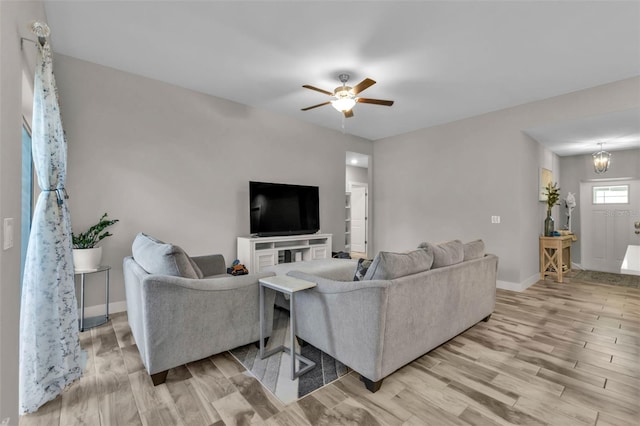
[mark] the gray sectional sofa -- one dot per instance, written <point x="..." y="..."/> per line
<point x="407" y="304"/>
<point x="183" y="309"/>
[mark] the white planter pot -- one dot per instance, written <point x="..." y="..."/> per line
<point x="87" y="260"/>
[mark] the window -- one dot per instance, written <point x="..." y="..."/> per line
<point x="611" y="194"/>
<point x="27" y="196"/>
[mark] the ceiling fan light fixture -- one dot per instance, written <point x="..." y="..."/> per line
<point x="601" y="160"/>
<point x="346" y="96"/>
<point x="343" y="104"/>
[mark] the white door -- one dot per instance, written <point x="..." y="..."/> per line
<point x="608" y="228"/>
<point x="359" y="219"/>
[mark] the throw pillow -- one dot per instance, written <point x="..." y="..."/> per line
<point x="388" y="266"/>
<point x="361" y="269"/>
<point x="473" y="250"/>
<point x="161" y="258"/>
<point x="445" y="254"/>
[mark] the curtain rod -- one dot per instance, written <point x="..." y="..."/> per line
<point x="41" y="40"/>
<point x="41" y="30"/>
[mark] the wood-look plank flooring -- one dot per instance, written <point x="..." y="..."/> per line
<point x="558" y="354"/>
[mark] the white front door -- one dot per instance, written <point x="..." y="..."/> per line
<point x="607" y="229"/>
<point x="358" y="219"/>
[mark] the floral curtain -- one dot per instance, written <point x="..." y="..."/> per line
<point x="50" y="353"/>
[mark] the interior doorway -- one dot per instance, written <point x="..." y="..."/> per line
<point x="357" y="191"/>
<point x="609" y="211"/>
<point x="359" y="218"/>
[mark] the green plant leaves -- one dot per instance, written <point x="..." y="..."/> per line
<point x="552" y="191"/>
<point x="94" y="235"/>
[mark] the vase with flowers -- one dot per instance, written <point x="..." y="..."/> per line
<point x="552" y="191"/>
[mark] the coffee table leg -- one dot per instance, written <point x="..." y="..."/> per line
<point x="106" y="315"/>
<point x="261" y="321"/>
<point x="292" y="325"/>
<point x="82" y="302"/>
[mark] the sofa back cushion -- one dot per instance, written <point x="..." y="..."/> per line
<point x="473" y="250"/>
<point x="157" y="257"/>
<point x="445" y="254"/>
<point x="388" y="266"/>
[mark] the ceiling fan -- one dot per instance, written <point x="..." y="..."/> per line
<point x="345" y="96"/>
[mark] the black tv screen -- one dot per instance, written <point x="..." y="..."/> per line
<point x="283" y="209"/>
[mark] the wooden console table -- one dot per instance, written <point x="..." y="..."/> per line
<point x="555" y="254"/>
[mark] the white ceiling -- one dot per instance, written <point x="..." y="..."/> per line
<point x="440" y="61"/>
<point x="616" y="131"/>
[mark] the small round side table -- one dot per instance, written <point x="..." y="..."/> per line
<point x="87" y="323"/>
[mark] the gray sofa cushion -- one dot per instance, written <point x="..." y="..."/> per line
<point x="194" y="265"/>
<point x="445" y="254"/>
<point x="388" y="266"/>
<point x="157" y="257"/>
<point x="473" y="250"/>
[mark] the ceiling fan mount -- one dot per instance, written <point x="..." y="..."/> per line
<point x="346" y="96"/>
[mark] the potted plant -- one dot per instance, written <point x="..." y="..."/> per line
<point x="86" y="254"/>
<point x="553" y="195"/>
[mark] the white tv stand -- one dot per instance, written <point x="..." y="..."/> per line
<point x="256" y="253"/>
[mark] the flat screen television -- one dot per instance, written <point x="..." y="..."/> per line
<point x="283" y="209"/>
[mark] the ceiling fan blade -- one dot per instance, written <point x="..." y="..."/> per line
<point x="374" y="101"/>
<point x="348" y="113"/>
<point x="316" y="106"/>
<point x="367" y="82"/>
<point x="306" y="86"/>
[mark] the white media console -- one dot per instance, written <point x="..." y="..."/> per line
<point x="256" y="253"/>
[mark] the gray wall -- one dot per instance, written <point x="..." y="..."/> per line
<point x="15" y="18"/>
<point x="177" y="164"/>
<point x="532" y="211"/>
<point x="579" y="168"/>
<point x="446" y="181"/>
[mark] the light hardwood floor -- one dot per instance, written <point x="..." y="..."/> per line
<point x="560" y="354"/>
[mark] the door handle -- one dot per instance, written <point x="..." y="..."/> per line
<point x="637" y="225"/>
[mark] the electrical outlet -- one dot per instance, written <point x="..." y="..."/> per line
<point x="495" y="219"/>
<point x="8" y="233"/>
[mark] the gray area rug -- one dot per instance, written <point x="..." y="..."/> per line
<point x="608" y="278"/>
<point x="274" y="372"/>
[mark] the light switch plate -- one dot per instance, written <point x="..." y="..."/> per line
<point x="7" y="233"/>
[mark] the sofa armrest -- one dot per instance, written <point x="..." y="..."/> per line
<point x="212" y="284"/>
<point x="212" y="264"/>
<point x="189" y="319"/>
<point x="345" y="319"/>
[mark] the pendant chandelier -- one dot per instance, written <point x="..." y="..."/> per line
<point x="601" y="160"/>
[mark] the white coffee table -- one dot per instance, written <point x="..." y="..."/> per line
<point x="631" y="262"/>
<point x="290" y="286"/>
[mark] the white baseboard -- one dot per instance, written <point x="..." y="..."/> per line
<point x="522" y="286"/>
<point x="97" y="310"/>
<point x="576" y="266"/>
